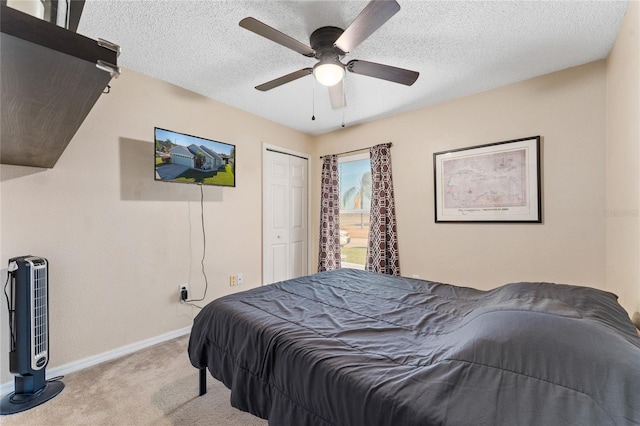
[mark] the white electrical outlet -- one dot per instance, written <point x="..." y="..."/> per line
<point x="240" y="279"/>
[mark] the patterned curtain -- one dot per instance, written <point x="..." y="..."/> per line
<point x="382" y="252"/>
<point x="329" y="251"/>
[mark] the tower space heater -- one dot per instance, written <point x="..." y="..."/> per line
<point x="29" y="331"/>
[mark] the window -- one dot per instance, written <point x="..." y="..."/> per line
<point x="355" y="206"/>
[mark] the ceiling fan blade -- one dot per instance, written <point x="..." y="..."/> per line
<point x="336" y="95"/>
<point x="384" y="72"/>
<point x="372" y="17"/>
<point x="284" y="79"/>
<point x="272" y="34"/>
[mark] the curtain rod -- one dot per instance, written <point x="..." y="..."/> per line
<point x="388" y="144"/>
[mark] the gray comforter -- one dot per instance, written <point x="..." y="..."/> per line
<point x="355" y="348"/>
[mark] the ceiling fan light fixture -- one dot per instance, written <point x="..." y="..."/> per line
<point x="328" y="72"/>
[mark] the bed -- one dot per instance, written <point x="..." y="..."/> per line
<point x="351" y="347"/>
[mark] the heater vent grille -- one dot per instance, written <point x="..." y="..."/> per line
<point x="39" y="315"/>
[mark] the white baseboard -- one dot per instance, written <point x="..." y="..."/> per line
<point x="81" y="364"/>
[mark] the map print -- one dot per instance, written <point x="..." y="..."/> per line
<point x="491" y="181"/>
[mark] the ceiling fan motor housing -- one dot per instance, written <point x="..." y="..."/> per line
<point x="322" y="41"/>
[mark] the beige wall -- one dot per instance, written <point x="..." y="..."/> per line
<point x="623" y="162"/>
<point x="567" y="109"/>
<point x="118" y="243"/>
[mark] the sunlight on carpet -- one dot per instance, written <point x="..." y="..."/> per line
<point x="155" y="386"/>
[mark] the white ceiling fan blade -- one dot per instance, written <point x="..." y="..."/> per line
<point x="336" y="95"/>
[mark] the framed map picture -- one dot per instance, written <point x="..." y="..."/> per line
<point x="498" y="182"/>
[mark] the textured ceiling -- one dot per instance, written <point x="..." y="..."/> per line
<point x="459" y="48"/>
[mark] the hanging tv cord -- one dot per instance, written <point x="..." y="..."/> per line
<point x="204" y="253"/>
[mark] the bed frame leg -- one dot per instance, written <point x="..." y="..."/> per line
<point x="203" y="381"/>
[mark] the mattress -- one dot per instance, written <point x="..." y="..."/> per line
<point x="351" y="347"/>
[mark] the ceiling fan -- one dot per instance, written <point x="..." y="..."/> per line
<point x="330" y="44"/>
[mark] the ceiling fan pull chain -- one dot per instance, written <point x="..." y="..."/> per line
<point x="313" y="99"/>
<point x="344" y="99"/>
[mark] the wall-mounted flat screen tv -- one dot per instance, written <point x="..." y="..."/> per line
<point x="190" y="159"/>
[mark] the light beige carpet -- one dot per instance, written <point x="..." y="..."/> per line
<point x="155" y="386"/>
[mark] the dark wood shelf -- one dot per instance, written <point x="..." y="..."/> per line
<point x="49" y="83"/>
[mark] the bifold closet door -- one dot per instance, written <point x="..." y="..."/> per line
<point x="285" y="252"/>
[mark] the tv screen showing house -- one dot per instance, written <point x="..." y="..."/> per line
<point x="190" y="159"/>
